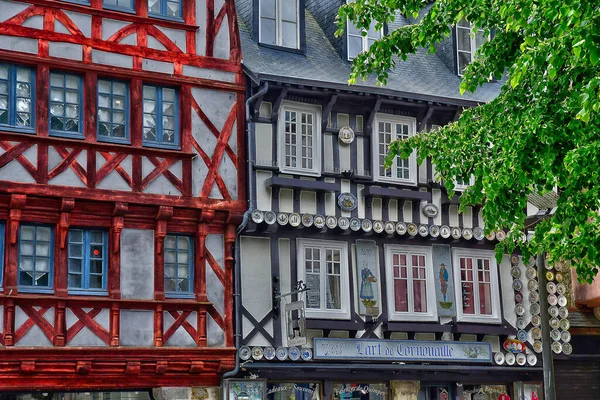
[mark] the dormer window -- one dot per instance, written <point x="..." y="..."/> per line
<point x="278" y="24"/>
<point x="360" y="40"/>
<point x="468" y="41"/>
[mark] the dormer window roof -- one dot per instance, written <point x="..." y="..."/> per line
<point x="279" y="23"/>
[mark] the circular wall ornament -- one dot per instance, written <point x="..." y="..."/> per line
<point x="347" y="201"/>
<point x="346" y="135"/>
<point x="430" y="210"/>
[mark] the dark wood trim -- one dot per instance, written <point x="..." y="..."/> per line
<point x="301" y="184"/>
<point x="372" y="191"/>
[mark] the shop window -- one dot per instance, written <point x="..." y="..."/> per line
<point x="299" y="132"/>
<point x="178" y="266"/>
<point x="35" y="258"/>
<point x="477" y="295"/>
<point x="66" y="105"/>
<point x="410" y="285"/>
<point x="88" y="259"/>
<point x="113" y="111"/>
<point x="293" y="391"/>
<point x="323" y="266"/>
<point x="529" y="391"/>
<point x="165" y="8"/>
<point x="484" y="392"/>
<point x="17" y="97"/>
<point x="434" y="393"/>
<point x="360" y="391"/>
<point x="388" y="129"/>
<point x="160" y="122"/>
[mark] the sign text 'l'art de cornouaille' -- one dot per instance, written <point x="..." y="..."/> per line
<point x="401" y="350"/>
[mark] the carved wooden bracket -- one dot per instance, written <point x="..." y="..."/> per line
<point x="206" y="215"/>
<point x="67" y="204"/>
<point x="196" y="367"/>
<point x="133" y="368"/>
<point x="83" y="367"/>
<point x="161" y="367"/>
<point x="27" y="367"/>
<point x="202" y="233"/>
<point x="17" y="204"/>
<point x="165" y="213"/>
<point x="117" y="224"/>
<point x="120" y="209"/>
<point x="63" y="228"/>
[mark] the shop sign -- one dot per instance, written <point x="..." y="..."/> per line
<point x="401" y="350"/>
<point x="368" y="277"/>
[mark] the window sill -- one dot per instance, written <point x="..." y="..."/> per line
<point x="112" y="140"/>
<point x="179" y="296"/>
<point x="398" y="317"/>
<point x="299" y="51"/>
<point x="68" y="135"/>
<point x="118" y="9"/>
<point x="342" y="315"/>
<point x="165" y="17"/>
<point x="299" y="172"/>
<point x="83" y="292"/>
<point x="161" y="146"/>
<point x="29" y="131"/>
<point x="36" y="290"/>
<point x="479" y="319"/>
<point x="395" y="181"/>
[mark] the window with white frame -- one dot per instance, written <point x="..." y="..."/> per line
<point x="410" y="285"/>
<point x="299" y="132"/>
<point x="462" y="184"/>
<point x="468" y="41"/>
<point x="360" y="40"/>
<point x="323" y="266"/>
<point x="477" y="288"/>
<point x="387" y="129"/>
<point x="279" y="23"/>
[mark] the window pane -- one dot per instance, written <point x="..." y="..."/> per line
<point x="112" y="109"/>
<point x="178" y="264"/>
<point x="463" y="39"/>
<point x="75" y="281"/>
<point x="267" y="31"/>
<point x="334" y="294"/>
<point x="463" y="60"/>
<point x="289" y="10"/>
<point x="267" y="8"/>
<point x="354" y="46"/>
<point x="289" y="35"/>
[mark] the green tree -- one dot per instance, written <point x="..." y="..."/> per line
<point x="541" y="132"/>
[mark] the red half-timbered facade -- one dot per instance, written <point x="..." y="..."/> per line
<point x="121" y="185"/>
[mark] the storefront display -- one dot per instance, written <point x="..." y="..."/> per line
<point x="529" y="391"/>
<point x="360" y="391"/>
<point x="293" y="391"/>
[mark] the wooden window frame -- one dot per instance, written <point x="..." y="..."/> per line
<point x="86" y="261"/>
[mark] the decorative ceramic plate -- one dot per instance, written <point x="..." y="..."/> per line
<point x="531" y="262"/>
<point x="515" y="272"/>
<point x="559" y="277"/>
<point x="561" y="288"/>
<point x="434" y="231"/>
<point x="366" y="225"/>
<point x="554" y="323"/>
<point x="331" y="222"/>
<point x="499" y="358"/>
<point x="536" y="333"/>
<point x="500" y="235"/>
<point x="270" y="217"/>
<point x="553" y="311"/>
<point x="258" y="216"/>
<point x="389" y="228"/>
<point x="445" y="231"/>
<point x="269" y="353"/>
<point x="548" y="266"/>
<point x="567" y="349"/>
<point x="534" y="308"/>
<point x="563" y="312"/>
<point x="517" y="284"/>
<point x="519" y="310"/>
<point x="423" y="230"/>
<point x="378" y="226"/>
<point x="562" y="300"/>
<point x="319" y="221"/>
<point x="478" y="233"/>
<point x="531" y="273"/>
<point x="532" y="285"/>
<point x="281" y="353"/>
<point x="518" y="297"/>
<point x="522" y="335"/>
<point x="552" y="299"/>
<point x="558" y="267"/>
<point x="306" y="354"/>
<point x="245" y="353"/>
<point x="412" y="229"/>
<point x="521" y="323"/>
<point x="282" y="219"/>
<point x="307" y="220"/>
<point x="294" y="353"/>
<point x="295" y="219"/>
<point x="456" y="233"/>
<point x="510" y="358"/>
<point x="531" y="359"/>
<point x="491" y="236"/>
<point x="343" y="223"/>
<point x="347" y="201"/>
<point x="565" y="336"/>
<point x="555" y="335"/>
<point x="514" y="259"/>
<point x="534" y="296"/>
<point x="355" y="224"/>
<point x="556" y="347"/>
<point x="565" y="324"/>
<point x="537" y="346"/>
<point x="521" y="359"/>
<point x="467" y="233"/>
<point x="536" y="320"/>
<point x="400" y="228"/>
<point x="257" y="353"/>
<point x="549" y="276"/>
<point x="551" y="287"/>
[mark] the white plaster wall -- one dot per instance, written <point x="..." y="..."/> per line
<point x="69" y="51"/>
<point x="34" y="336"/>
<point x="24" y="45"/>
<point x="263" y="193"/>
<point x="214" y="333"/>
<point x="181" y="338"/>
<point x="206" y="73"/>
<point x="11" y="8"/>
<point x="256" y="275"/>
<point x="264" y="144"/>
<point x="137" y="264"/>
<point x="136" y="328"/>
<point x="508" y="295"/>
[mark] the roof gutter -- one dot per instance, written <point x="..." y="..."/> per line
<point x="237" y="280"/>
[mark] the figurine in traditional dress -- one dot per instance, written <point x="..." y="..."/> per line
<point x="366" y="285"/>
<point x="444" y="280"/>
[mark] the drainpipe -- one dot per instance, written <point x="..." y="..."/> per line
<point x="237" y="280"/>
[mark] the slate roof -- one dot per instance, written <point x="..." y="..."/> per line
<point x="422" y="76"/>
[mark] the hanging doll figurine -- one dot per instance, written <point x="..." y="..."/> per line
<point x="366" y="285"/>
<point x="504" y="396"/>
<point x="534" y="396"/>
